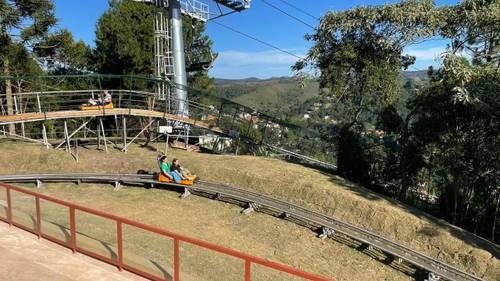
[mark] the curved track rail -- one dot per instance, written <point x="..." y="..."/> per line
<point x="254" y="201"/>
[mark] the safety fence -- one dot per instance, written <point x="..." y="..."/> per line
<point x="28" y="210"/>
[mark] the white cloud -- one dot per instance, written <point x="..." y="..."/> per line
<point x="263" y="58"/>
<point x="427" y="54"/>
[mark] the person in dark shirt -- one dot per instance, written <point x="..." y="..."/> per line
<point x="176" y="168"/>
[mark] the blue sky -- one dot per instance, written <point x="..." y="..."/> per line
<point x="240" y="57"/>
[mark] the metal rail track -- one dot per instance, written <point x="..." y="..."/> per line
<point x="254" y="201"/>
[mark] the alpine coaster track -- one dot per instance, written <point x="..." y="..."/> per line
<point x="253" y="201"/>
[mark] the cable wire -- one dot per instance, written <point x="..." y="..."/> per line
<point x="286" y="13"/>
<point x="258" y="40"/>
<point x="299" y="9"/>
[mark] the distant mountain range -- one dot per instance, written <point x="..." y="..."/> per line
<point x="278" y="94"/>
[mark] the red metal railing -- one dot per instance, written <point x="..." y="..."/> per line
<point x="119" y="262"/>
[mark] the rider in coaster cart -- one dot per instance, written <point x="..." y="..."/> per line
<point x="173" y="172"/>
<point x="92" y="103"/>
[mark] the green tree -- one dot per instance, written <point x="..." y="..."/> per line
<point x="23" y="24"/>
<point x="62" y="55"/>
<point x="128" y="48"/>
<point x="448" y="136"/>
<point x="359" y="56"/>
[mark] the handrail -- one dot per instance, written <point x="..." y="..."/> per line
<point x="249" y="259"/>
<point x="235" y="120"/>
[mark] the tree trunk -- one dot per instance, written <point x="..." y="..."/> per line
<point x="8" y="96"/>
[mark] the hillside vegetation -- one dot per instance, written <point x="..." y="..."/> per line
<point x="275" y="95"/>
<point x="329" y="194"/>
<point x="283" y="95"/>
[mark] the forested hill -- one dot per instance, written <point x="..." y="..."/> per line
<point x="279" y="94"/>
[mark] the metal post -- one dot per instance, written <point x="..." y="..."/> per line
<point x="9" y="206"/>
<point x="103" y="135"/>
<point x="124" y="127"/>
<point x="66" y="137"/>
<point x="38" y="218"/>
<point x="44" y="135"/>
<point x="16" y="110"/>
<point x="176" y="260"/>
<point x="72" y="227"/>
<point x="248" y="269"/>
<point x="98" y="131"/>
<point x="23" y="133"/>
<point x="119" y="240"/>
<point x="38" y="102"/>
<point x="180" y="78"/>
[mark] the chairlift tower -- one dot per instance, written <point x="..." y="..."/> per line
<point x="169" y="43"/>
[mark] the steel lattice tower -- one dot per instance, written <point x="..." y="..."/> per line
<point x="169" y="43"/>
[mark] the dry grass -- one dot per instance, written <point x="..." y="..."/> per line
<point x="259" y="234"/>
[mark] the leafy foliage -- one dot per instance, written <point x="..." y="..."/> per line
<point x="446" y="138"/>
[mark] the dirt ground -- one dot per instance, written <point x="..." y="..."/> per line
<point x="259" y="234"/>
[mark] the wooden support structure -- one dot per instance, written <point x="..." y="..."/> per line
<point x="98" y="131"/>
<point x="124" y="129"/>
<point x="66" y="137"/>
<point x="44" y="135"/>
<point x="142" y="131"/>
<point x="74" y="132"/>
<point x="38" y="102"/>
<point x="103" y="135"/>
<point x="23" y="131"/>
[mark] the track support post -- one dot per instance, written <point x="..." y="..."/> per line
<point x="39" y="184"/>
<point x="103" y="135"/>
<point x="325" y="232"/>
<point x="186" y="193"/>
<point x="250" y="209"/>
<point x="433" y="277"/>
<point x="118" y="186"/>
<point x="44" y="135"/>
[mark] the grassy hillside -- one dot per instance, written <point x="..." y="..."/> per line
<point x="282" y="94"/>
<point x="329" y="194"/>
<point x="275" y="95"/>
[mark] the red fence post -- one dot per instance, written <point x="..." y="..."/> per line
<point x="248" y="269"/>
<point x="119" y="238"/>
<point x="176" y="260"/>
<point x="72" y="228"/>
<point x="38" y="218"/>
<point x="9" y="206"/>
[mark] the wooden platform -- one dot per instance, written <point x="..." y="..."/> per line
<point x="33" y="117"/>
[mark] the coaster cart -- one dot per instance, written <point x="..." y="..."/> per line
<point x="96" y="107"/>
<point x="161" y="177"/>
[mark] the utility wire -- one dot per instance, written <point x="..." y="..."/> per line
<point x="286" y="13"/>
<point x="299" y="9"/>
<point x="258" y="40"/>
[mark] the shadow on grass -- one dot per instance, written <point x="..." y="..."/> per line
<point x="92" y="244"/>
<point x="429" y="231"/>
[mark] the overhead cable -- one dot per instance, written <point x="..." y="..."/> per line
<point x="299" y="9"/>
<point x="287" y="14"/>
<point x="258" y="40"/>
